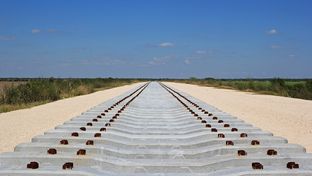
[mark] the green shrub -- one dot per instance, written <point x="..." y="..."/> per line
<point x="38" y="90"/>
<point x="277" y="86"/>
<point x="309" y="85"/>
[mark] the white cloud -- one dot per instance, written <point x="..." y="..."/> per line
<point x="159" y="60"/>
<point x="50" y="30"/>
<point x="275" y="46"/>
<point x="272" y="31"/>
<point x="7" y="37"/>
<point x="187" y="61"/>
<point x="200" y="52"/>
<point x="166" y="45"/>
<point x="35" y="31"/>
<point x="292" y="55"/>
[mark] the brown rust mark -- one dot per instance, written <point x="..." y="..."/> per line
<point x="33" y="165"/>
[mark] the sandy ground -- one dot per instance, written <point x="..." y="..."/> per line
<point x="287" y="117"/>
<point x="20" y="126"/>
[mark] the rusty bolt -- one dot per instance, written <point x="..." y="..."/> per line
<point x="83" y="128"/>
<point x="81" y="152"/>
<point x="226" y="125"/>
<point x="33" y="165"/>
<point x="103" y="114"/>
<point x="206" y="112"/>
<point x="221" y="135"/>
<point x="234" y="129"/>
<point x="292" y="165"/>
<point x="271" y="152"/>
<point x="97" y="135"/>
<point x="242" y="135"/>
<point x="241" y="153"/>
<point x="255" y="142"/>
<point x="257" y="165"/>
<point x="52" y="151"/>
<point x="89" y="124"/>
<point x="214" y="118"/>
<point x="107" y="124"/>
<point x="68" y="165"/>
<point x="111" y="120"/>
<point x="214" y="130"/>
<point x="99" y="116"/>
<point x="220" y="121"/>
<point x="64" y="142"/>
<point x="229" y="143"/>
<point x="75" y="134"/>
<point x="89" y="142"/>
<point x="94" y="120"/>
<point x="103" y="129"/>
<point x="210" y="114"/>
<point x="199" y="118"/>
<point x="208" y="126"/>
<point x="203" y="121"/>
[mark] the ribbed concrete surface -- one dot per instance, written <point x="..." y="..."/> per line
<point x="154" y="130"/>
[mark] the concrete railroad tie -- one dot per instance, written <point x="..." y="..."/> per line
<point x="156" y="130"/>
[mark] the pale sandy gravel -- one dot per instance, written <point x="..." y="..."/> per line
<point x="20" y="126"/>
<point x="287" y="117"/>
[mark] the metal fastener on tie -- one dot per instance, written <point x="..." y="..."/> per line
<point x="81" y="152"/>
<point x="271" y="152"/>
<point x="33" y="165"/>
<point x="292" y="165"/>
<point x="241" y="153"/>
<point x="90" y="142"/>
<point x="68" y="165"/>
<point x="255" y="142"/>
<point x="52" y="151"/>
<point x="64" y="142"/>
<point x="257" y="165"/>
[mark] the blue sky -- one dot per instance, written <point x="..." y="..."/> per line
<point x="156" y="38"/>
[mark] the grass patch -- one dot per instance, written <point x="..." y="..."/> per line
<point x="296" y="88"/>
<point x="32" y="92"/>
<point x="13" y="107"/>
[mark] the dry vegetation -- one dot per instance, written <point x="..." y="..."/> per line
<point x="24" y="93"/>
<point x="296" y="88"/>
<point x="7" y="84"/>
